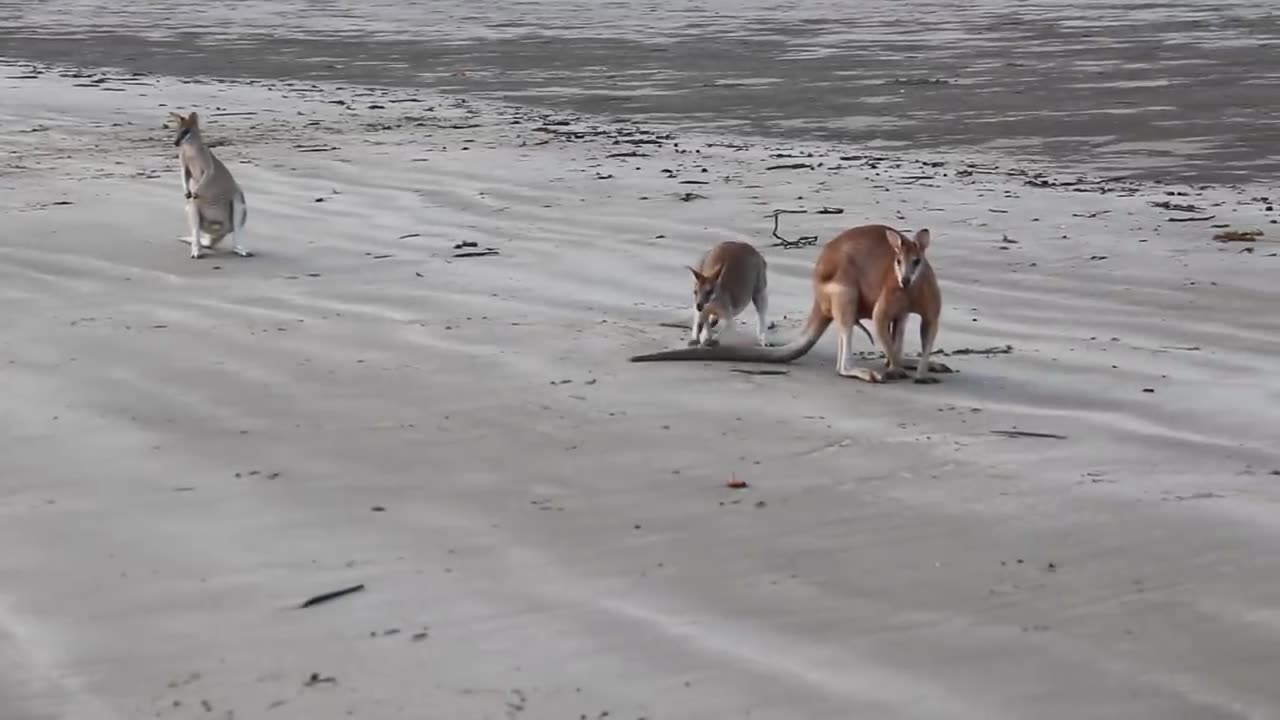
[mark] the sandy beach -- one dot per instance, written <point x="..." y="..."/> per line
<point x="192" y="449"/>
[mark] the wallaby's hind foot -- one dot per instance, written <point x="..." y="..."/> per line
<point x="886" y="329"/>
<point x="709" y="342"/>
<point x="934" y="366"/>
<point x="863" y="374"/>
<point x="926" y="380"/>
<point x="761" y="302"/>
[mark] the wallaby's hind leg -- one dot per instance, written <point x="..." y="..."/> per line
<point x="238" y="217"/>
<point x="892" y="346"/>
<point x="193" y="221"/>
<point x="923" y="366"/>
<point x="928" y="331"/>
<point x="761" y="302"/>
<point x="726" y="326"/>
<point x="897" y="331"/>
<point x="842" y="349"/>
<point x="845" y="366"/>
<point x="844" y="316"/>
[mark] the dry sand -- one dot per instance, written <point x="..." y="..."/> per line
<point x="192" y="448"/>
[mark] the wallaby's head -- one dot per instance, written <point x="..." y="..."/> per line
<point x="908" y="255"/>
<point x="186" y="125"/>
<point x="705" y="288"/>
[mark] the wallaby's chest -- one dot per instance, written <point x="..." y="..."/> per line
<point x="199" y="164"/>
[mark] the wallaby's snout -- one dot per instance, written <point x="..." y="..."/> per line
<point x="702" y="298"/>
<point x="907" y="271"/>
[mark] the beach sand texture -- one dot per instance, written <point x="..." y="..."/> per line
<point x="191" y="449"/>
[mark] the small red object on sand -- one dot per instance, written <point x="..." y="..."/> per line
<point x="735" y="483"/>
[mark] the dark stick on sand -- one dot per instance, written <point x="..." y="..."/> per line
<point x="1028" y="434"/>
<point x="326" y="597"/>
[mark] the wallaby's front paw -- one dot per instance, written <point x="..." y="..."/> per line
<point x="188" y="195"/>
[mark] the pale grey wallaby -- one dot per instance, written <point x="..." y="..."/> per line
<point x="215" y="203"/>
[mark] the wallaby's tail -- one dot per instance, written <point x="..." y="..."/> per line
<point x="810" y="334"/>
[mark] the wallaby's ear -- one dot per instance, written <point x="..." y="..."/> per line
<point x="696" y="275"/>
<point x="715" y="277"/>
<point x="922" y="238"/>
<point x="176" y="116"/>
<point x="895" y="240"/>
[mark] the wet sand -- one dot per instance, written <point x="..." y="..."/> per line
<point x="1177" y="91"/>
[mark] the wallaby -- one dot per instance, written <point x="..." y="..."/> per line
<point x="215" y="203"/>
<point x="729" y="276"/>
<point x="870" y="271"/>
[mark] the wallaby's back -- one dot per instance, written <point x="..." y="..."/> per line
<point x="741" y="269"/>
<point x="860" y="257"/>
